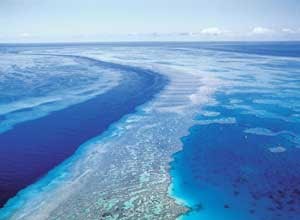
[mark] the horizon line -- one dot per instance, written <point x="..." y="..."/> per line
<point x="150" y="41"/>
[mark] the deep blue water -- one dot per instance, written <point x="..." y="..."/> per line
<point x="287" y="49"/>
<point x="230" y="174"/>
<point x="243" y="162"/>
<point x="32" y="148"/>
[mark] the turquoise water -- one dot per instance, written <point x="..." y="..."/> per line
<point x="51" y="106"/>
<point x="242" y="159"/>
<point x="239" y="160"/>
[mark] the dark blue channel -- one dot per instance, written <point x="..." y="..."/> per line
<point x="32" y="148"/>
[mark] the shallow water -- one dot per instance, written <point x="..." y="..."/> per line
<point x="246" y="168"/>
<point x="37" y="136"/>
<point x="240" y="104"/>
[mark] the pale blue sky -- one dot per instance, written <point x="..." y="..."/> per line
<point x="99" y="20"/>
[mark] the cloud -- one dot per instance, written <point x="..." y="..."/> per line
<point x="25" y="35"/>
<point x="290" y="31"/>
<point x="212" y="31"/>
<point x="185" y="34"/>
<point x="134" y="34"/>
<point x="261" y="30"/>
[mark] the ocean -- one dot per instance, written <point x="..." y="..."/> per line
<point x="165" y="130"/>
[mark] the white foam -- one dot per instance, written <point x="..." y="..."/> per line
<point x="260" y="131"/>
<point x="228" y="120"/>
<point x="278" y="149"/>
<point x="210" y="113"/>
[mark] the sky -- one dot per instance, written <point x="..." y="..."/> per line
<point x="148" y="20"/>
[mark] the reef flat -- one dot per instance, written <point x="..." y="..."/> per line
<point x="128" y="172"/>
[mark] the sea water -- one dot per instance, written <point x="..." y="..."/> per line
<point x="241" y="159"/>
<point x="240" y="104"/>
<point x="52" y="104"/>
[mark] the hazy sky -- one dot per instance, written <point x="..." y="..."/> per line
<point x="110" y="20"/>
